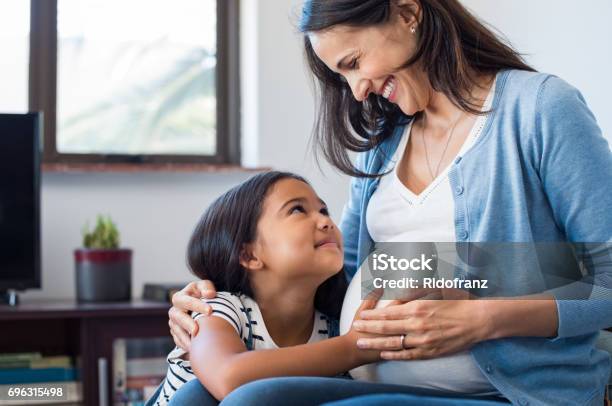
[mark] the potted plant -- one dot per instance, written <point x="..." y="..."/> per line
<point x="103" y="270"/>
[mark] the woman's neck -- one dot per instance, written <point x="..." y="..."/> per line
<point x="441" y="112"/>
<point x="287" y="309"/>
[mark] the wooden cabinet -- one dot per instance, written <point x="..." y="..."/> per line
<point x="84" y="331"/>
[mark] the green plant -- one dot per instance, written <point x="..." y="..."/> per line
<point x="104" y="236"/>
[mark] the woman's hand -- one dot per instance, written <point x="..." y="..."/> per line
<point x="432" y="328"/>
<point x="182" y="326"/>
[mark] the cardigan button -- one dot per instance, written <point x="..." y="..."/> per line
<point x="459" y="190"/>
<point x="463" y="235"/>
<point x="457" y="160"/>
<point x="523" y="401"/>
<point x="489" y="368"/>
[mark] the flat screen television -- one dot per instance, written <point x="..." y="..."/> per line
<point x="20" y="156"/>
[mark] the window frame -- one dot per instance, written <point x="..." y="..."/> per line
<point x="42" y="93"/>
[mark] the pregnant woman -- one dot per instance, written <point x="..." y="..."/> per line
<point x="458" y="140"/>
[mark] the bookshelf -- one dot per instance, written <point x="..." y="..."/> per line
<point x="85" y="331"/>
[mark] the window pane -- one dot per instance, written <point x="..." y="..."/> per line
<point x="136" y="77"/>
<point x="15" y="48"/>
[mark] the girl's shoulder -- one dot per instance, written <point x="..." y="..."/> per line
<point x="223" y="298"/>
<point x="233" y="307"/>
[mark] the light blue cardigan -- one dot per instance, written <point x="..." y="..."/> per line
<point x="540" y="171"/>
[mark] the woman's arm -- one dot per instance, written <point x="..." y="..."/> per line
<point x="527" y="317"/>
<point x="575" y="168"/>
<point x="221" y="361"/>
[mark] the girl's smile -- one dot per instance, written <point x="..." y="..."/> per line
<point x="327" y="243"/>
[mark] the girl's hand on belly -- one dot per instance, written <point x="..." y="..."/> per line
<point x="363" y="356"/>
<point x="432" y="328"/>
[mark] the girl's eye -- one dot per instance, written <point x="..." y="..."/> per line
<point x="298" y="208"/>
<point x="324" y="211"/>
<point x="353" y="64"/>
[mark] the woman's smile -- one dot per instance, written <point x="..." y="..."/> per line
<point x="390" y="89"/>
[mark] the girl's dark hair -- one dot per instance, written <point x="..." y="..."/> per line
<point x="453" y="46"/>
<point x="229" y="223"/>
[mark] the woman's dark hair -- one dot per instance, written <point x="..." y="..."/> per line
<point x="229" y="223"/>
<point x="453" y="46"/>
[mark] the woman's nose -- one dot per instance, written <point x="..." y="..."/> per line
<point x="360" y="87"/>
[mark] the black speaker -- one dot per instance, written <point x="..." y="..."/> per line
<point x="20" y="157"/>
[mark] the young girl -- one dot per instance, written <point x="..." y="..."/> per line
<point x="275" y="256"/>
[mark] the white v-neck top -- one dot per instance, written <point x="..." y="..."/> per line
<point x="396" y="214"/>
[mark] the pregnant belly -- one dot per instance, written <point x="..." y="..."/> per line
<point x="457" y="373"/>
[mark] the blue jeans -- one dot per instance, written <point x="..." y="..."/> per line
<point x="307" y="391"/>
<point x="193" y="393"/>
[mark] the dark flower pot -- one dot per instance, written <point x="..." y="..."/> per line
<point x="103" y="275"/>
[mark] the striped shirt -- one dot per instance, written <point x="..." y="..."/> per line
<point x="243" y="314"/>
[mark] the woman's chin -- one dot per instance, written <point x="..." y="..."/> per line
<point x="405" y="104"/>
<point x="409" y="109"/>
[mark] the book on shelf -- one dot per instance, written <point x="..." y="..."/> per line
<point x="119" y="369"/>
<point x="161" y="292"/>
<point x="33" y="367"/>
<point x="142" y="387"/>
<point x="37" y="362"/>
<point x="139" y="365"/>
<point x="19" y="356"/>
<point x="39" y="375"/>
<point x="142" y="376"/>
<point x="34" y="360"/>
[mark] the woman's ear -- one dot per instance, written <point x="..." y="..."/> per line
<point x="409" y="11"/>
<point x="248" y="258"/>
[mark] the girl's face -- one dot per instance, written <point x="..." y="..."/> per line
<point x="368" y="58"/>
<point x="295" y="235"/>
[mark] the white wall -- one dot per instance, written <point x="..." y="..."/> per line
<point x="570" y="39"/>
<point x="156" y="212"/>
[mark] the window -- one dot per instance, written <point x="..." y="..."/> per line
<point x="139" y="81"/>
<point x="14" y="39"/>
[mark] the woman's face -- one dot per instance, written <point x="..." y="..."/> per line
<point x="295" y="236"/>
<point x="369" y="57"/>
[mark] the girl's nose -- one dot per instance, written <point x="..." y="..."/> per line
<point x="325" y="222"/>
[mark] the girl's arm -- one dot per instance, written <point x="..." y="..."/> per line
<point x="222" y="363"/>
